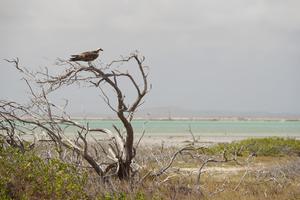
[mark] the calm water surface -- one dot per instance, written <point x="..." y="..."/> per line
<point x="205" y="127"/>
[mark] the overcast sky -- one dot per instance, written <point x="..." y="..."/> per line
<point x="233" y="55"/>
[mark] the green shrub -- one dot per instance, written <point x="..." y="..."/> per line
<point x="273" y="146"/>
<point x="26" y="176"/>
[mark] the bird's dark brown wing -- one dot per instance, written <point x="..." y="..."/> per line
<point x="85" y="56"/>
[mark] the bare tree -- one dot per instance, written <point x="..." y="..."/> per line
<point x="43" y="115"/>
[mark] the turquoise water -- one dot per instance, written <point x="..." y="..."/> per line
<point x="210" y="128"/>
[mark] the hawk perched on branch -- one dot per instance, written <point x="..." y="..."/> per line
<point x="86" y="56"/>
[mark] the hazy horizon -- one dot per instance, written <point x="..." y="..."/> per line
<point x="177" y="112"/>
<point x="236" y="56"/>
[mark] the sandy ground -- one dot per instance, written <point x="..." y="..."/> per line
<point x="176" y="141"/>
<point x="229" y="170"/>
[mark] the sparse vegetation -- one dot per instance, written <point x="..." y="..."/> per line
<point x="272" y="146"/>
<point x="26" y="175"/>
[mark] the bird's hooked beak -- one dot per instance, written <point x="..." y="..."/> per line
<point x="99" y="50"/>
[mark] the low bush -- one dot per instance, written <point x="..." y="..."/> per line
<point x="26" y="176"/>
<point x="273" y="146"/>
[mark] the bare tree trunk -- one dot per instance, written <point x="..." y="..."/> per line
<point x="124" y="164"/>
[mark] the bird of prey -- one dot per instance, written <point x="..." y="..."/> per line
<point x="86" y="56"/>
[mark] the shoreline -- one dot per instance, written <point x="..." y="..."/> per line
<point x="178" y="141"/>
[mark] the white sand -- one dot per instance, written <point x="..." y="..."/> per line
<point x="185" y="140"/>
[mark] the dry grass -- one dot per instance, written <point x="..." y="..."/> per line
<point x="263" y="177"/>
<point x="247" y="178"/>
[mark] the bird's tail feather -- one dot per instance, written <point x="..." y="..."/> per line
<point x="74" y="59"/>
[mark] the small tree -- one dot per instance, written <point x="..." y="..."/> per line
<point x="41" y="114"/>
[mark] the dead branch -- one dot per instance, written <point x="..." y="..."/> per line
<point x="164" y="169"/>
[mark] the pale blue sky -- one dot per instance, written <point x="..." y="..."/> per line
<point x="234" y="55"/>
